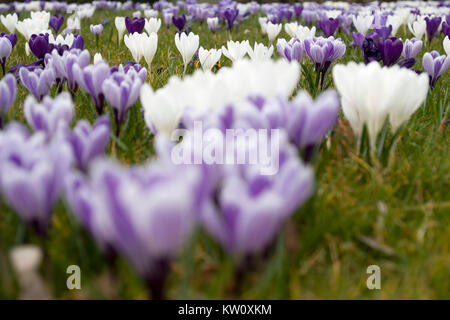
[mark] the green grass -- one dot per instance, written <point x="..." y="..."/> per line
<point x="404" y="207"/>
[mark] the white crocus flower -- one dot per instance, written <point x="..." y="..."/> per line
<point x="152" y="25"/>
<point x="363" y="23"/>
<point x="236" y="50"/>
<point x="303" y="33"/>
<point x="260" y="52"/>
<point x="41" y="17"/>
<point x="134" y="43"/>
<point x="150" y="13"/>
<point x="395" y="22"/>
<point x="370" y="94"/>
<point x="73" y="23"/>
<point x="149" y="46"/>
<point x="447" y="45"/>
<point x="187" y="45"/>
<point x="208" y="58"/>
<point x="10" y="21"/>
<point x="291" y="29"/>
<point x="67" y="40"/>
<point x="333" y="13"/>
<point x="98" y="58"/>
<point x="272" y="30"/>
<point x="418" y="28"/>
<point x="262" y="22"/>
<point x="120" y="26"/>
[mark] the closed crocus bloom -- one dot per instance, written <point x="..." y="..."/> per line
<point x="34" y="170"/>
<point x="390" y="49"/>
<point x="411" y="48"/>
<point x="236" y="50"/>
<point x="329" y="26"/>
<point x="11" y="37"/>
<point x="5" y="51"/>
<point x="305" y="32"/>
<point x="91" y="79"/>
<point x="135" y="25"/>
<point x="38" y="82"/>
<point x="97" y="58"/>
<point x="272" y="31"/>
<point x="121" y="91"/>
<point x="371" y="93"/>
<point x="187" y="45"/>
<point x="394" y="21"/>
<point x="446" y="45"/>
<point x="260" y="52"/>
<point x="167" y="17"/>
<point x="96" y="29"/>
<point x="8" y="92"/>
<point x="432" y="26"/>
<point x="323" y="51"/>
<point x="89" y="142"/>
<point x="56" y="22"/>
<point x="39" y="45"/>
<point x="418" y="28"/>
<point x="230" y="15"/>
<point x="152" y="25"/>
<point x="10" y="21"/>
<point x="262" y="23"/>
<point x="73" y="23"/>
<point x="150" y="13"/>
<point x="74" y="58"/>
<point x="49" y="114"/>
<point x="78" y="42"/>
<point x="292" y="50"/>
<point x="213" y="24"/>
<point x="435" y="65"/>
<point x="291" y="28"/>
<point x="179" y="21"/>
<point x="119" y="22"/>
<point x="208" y="58"/>
<point x="134" y="44"/>
<point x="363" y="23"/>
<point x="149" y="46"/>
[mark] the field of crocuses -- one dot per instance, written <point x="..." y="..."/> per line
<point x="184" y="150"/>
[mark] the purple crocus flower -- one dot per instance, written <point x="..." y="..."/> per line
<point x="78" y="42"/>
<point x="56" y="22"/>
<point x="5" y="51"/>
<point x="167" y="17"/>
<point x="48" y="115"/>
<point x="432" y="26"/>
<point x="323" y="51"/>
<point x="411" y="48"/>
<point x="329" y="26"/>
<point x="446" y="29"/>
<point x="135" y="25"/>
<point x="230" y="15"/>
<point x="32" y="174"/>
<point x="383" y="32"/>
<point x="8" y="92"/>
<point x="179" y="21"/>
<point x="292" y="50"/>
<point x="371" y="51"/>
<point x="358" y="39"/>
<point x="91" y="79"/>
<point x="11" y="37"/>
<point x="89" y="142"/>
<point x="121" y="91"/>
<point x="391" y="49"/>
<point x="39" y="45"/>
<point x="435" y="65"/>
<point x="38" y="82"/>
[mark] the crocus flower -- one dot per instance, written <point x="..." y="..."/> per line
<point x="38" y="82"/>
<point x="5" y="51"/>
<point x="89" y="142"/>
<point x="304" y="33"/>
<point x="272" y="31"/>
<point x="213" y="24"/>
<point x="432" y="26"/>
<point x="135" y="25"/>
<point x="121" y="91"/>
<point x="39" y="45"/>
<point x="78" y="42"/>
<point x="329" y="26"/>
<point x="292" y="50"/>
<point x="167" y="17"/>
<point x="395" y="22"/>
<point x="418" y="28"/>
<point x="10" y="21"/>
<point x="49" y="114"/>
<point x="152" y="25"/>
<point x="230" y="15"/>
<point x="208" y="58"/>
<point x="289" y="28"/>
<point x="260" y="52"/>
<point x="11" y="37"/>
<point x="435" y="65"/>
<point x="236" y="50"/>
<point x="34" y="170"/>
<point x="142" y="45"/>
<point x="73" y="24"/>
<point x="446" y="28"/>
<point x="358" y="40"/>
<point x="446" y="45"/>
<point x="56" y="22"/>
<point x="390" y="49"/>
<point x="119" y="22"/>
<point x="363" y="23"/>
<point x="179" y="21"/>
<point x="91" y="79"/>
<point x="323" y="51"/>
<point x="96" y="29"/>
<point x="8" y="92"/>
<point x="411" y="48"/>
<point x="187" y="45"/>
<point x="370" y="94"/>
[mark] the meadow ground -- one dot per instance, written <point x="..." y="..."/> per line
<point x="395" y="216"/>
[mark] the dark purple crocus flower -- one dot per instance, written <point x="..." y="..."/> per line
<point x="371" y="51"/>
<point x="11" y="37"/>
<point x="14" y="70"/>
<point x="78" y="42"/>
<point x="329" y="26"/>
<point x="298" y="8"/>
<point x="56" y="22"/>
<point x="39" y="45"/>
<point x="179" y="21"/>
<point x="391" y="49"/>
<point x="383" y="32"/>
<point x="135" y="25"/>
<point x="446" y="29"/>
<point x="230" y="15"/>
<point x="432" y="26"/>
<point x="406" y="63"/>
